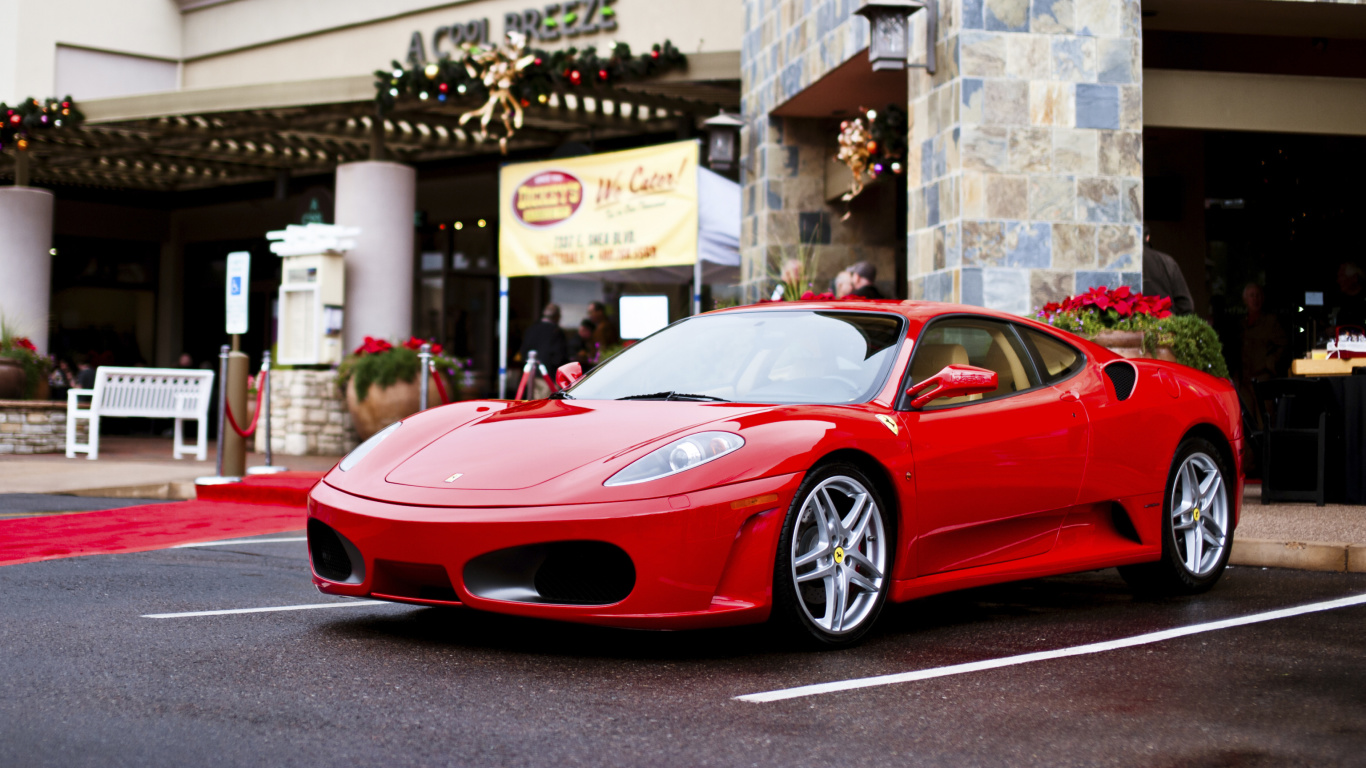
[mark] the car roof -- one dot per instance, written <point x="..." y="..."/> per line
<point x="921" y="311"/>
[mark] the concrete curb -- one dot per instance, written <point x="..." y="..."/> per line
<point x="1301" y="555"/>
<point x="181" y="491"/>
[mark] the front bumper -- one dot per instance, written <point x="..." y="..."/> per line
<point x="701" y="559"/>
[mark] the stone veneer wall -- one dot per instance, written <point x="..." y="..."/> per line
<point x="787" y="46"/>
<point x="32" y="426"/>
<point x="1025" y="167"/>
<point x="308" y="415"/>
<point x="1027" y="145"/>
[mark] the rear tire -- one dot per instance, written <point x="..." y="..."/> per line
<point x="833" y="569"/>
<point x="1197" y="529"/>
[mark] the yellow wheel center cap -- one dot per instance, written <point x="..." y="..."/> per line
<point x="1197" y="514"/>
<point x="839" y="554"/>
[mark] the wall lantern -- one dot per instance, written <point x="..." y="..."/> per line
<point x="723" y="136"/>
<point x="889" y="43"/>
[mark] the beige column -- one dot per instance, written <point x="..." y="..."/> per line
<point x="379" y="198"/>
<point x="26" y="261"/>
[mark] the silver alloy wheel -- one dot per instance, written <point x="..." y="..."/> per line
<point x="1199" y="506"/>
<point x="839" y="555"/>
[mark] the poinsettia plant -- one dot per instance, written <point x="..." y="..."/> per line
<point x="1191" y="339"/>
<point x="23" y="351"/>
<point x="1110" y="306"/>
<point x="377" y="361"/>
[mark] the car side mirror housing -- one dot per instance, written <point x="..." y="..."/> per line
<point x="567" y="374"/>
<point x="953" y="381"/>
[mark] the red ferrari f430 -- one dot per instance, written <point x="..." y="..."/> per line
<point x="803" y="462"/>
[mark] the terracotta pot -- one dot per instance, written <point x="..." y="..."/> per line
<point x="385" y="405"/>
<point x="44" y="390"/>
<point x="11" y="379"/>
<point x="1166" y="353"/>
<point x="1122" y="343"/>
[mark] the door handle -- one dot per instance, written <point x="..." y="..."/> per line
<point x="1069" y="397"/>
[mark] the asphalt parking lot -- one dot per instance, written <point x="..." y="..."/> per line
<point x="90" y="680"/>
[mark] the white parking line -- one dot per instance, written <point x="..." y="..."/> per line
<point x="235" y="542"/>
<point x="348" y="604"/>
<point x="1079" y="650"/>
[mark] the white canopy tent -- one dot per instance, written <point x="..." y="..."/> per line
<point x="717" y="259"/>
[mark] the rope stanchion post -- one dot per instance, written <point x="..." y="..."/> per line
<point x="263" y="413"/>
<point x="223" y="427"/>
<point x="424" y="367"/>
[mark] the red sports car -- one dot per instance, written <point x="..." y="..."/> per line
<point x="798" y="461"/>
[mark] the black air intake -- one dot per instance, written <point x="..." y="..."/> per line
<point x="1123" y="376"/>
<point x="334" y="558"/>
<point x="559" y="572"/>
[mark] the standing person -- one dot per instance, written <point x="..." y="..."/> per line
<point x="844" y="284"/>
<point x="1264" y="340"/>
<point x="605" y="331"/>
<point x="581" y="344"/>
<point x="1162" y="276"/>
<point x="546" y="338"/>
<point x="1352" y="303"/>
<point x="862" y="275"/>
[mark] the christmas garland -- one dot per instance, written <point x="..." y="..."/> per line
<point x="872" y="144"/>
<point x="20" y="122"/>
<point x="547" y="72"/>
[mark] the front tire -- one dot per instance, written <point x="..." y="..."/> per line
<point x="833" y="569"/>
<point x="1197" y="530"/>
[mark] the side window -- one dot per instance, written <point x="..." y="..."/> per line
<point x="1057" y="359"/>
<point x="983" y="343"/>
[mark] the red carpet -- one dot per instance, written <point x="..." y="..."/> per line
<point x="259" y="505"/>
<point x="289" y="488"/>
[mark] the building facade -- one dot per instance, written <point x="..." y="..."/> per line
<point x="1053" y="130"/>
<point x="212" y="122"/>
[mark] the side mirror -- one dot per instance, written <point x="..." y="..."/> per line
<point x="953" y="381"/>
<point x="568" y="374"/>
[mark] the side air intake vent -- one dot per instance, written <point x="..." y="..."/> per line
<point x="334" y="557"/>
<point x="1123" y="376"/>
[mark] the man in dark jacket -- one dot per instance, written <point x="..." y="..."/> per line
<point x="863" y="276"/>
<point x="547" y="339"/>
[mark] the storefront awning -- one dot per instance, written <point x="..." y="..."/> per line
<point x="217" y="137"/>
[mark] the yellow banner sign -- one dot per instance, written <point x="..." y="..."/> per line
<point x="617" y="210"/>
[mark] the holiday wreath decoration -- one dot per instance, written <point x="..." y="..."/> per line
<point x="20" y="122"/>
<point x="512" y="76"/>
<point x="871" y="145"/>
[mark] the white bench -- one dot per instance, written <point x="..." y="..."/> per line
<point x="150" y="393"/>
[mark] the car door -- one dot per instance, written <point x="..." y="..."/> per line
<point x="994" y="473"/>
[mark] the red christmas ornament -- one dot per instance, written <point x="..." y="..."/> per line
<point x="575" y="77"/>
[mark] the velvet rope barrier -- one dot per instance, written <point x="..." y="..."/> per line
<point x="232" y="421"/>
<point x="440" y="386"/>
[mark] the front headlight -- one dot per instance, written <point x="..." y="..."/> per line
<point x="678" y="456"/>
<point x="353" y="458"/>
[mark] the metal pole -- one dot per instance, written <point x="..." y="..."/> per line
<point x="269" y="467"/>
<point x="502" y="337"/>
<point x="265" y="399"/>
<point x="222" y="403"/>
<point x="424" y="375"/>
<point x="697" y="286"/>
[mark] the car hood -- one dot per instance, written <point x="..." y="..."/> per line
<point x="530" y="444"/>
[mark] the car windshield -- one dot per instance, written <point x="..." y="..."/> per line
<point x="754" y="357"/>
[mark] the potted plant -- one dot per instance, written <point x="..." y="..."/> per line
<point x="381" y="382"/>
<point x="1134" y="325"/>
<point x="23" y="371"/>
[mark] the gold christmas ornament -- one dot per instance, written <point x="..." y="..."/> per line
<point x="498" y="69"/>
<point x="856" y="149"/>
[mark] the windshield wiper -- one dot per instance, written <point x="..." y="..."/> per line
<point x="675" y="396"/>
<point x="561" y="395"/>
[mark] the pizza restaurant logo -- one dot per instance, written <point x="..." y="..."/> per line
<point x="547" y="198"/>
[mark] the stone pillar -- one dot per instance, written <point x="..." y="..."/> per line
<point x="26" y="261"/>
<point x="1026" y="153"/>
<point x="379" y="198"/>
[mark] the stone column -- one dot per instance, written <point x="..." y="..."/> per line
<point x="1026" y="153"/>
<point x="379" y="198"/>
<point x="26" y="261"/>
